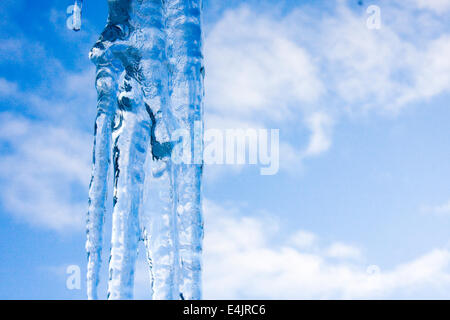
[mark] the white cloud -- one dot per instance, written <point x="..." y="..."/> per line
<point x="256" y="75"/>
<point x="360" y="62"/>
<point x="440" y="210"/>
<point x="385" y="69"/>
<point x="303" y="239"/>
<point x="267" y="68"/>
<point x="245" y="258"/>
<point x="438" y="6"/>
<point x="342" y="250"/>
<point x="8" y="88"/>
<point x="69" y="97"/>
<point x="242" y="260"/>
<point x="273" y="66"/>
<point x="433" y="76"/>
<point x="320" y="125"/>
<point x="46" y="164"/>
<point x="252" y="68"/>
<point x="44" y="172"/>
<point x="19" y="50"/>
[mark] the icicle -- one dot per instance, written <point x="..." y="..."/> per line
<point x="131" y="140"/>
<point x="106" y="88"/>
<point x="159" y="236"/>
<point x="184" y="36"/>
<point x="132" y="51"/>
<point x="144" y="124"/>
<point x="109" y="69"/>
<point x="157" y="217"/>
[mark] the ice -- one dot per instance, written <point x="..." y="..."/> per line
<point x="184" y="37"/>
<point x="150" y="84"/>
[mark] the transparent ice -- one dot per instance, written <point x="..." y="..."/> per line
<point x="149" y="83"/>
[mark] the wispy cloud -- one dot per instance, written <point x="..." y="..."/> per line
<point x="438" y="6"/>
<point x="44" y="172"/>
<point x="439" y="210"/>
<point x="253" y="68"/>
<point x="242" y="260"/>
<point x="270" y="68"/>
<point x="303" y="239"/>
<point x="8" y="88"/>
<point x="343" y="250"/>
<point x="46" y="159"/>
<point x="320" y="125"/>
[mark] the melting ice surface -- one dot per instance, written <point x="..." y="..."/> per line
<point x="149" y="83"/>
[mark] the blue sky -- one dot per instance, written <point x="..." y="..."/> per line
<point x="363" y="135"/>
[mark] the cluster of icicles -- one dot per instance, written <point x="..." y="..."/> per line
<point x="149" y="82"/>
